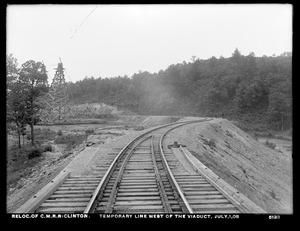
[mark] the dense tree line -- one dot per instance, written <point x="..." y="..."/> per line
<point x="256" y="90"/>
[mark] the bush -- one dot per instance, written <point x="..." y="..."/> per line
<point x="59" y="132"/>
<point x="70" y="140"/>
<point x="34" y="152"/>
<point x="212" y="143"/>
<point x="270" y="144"/>
<point x="47" y="148"/>
<point x="89" y="131"/>
<point x="139" y="128"/>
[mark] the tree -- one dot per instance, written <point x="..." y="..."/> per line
<point x="250" y="68"/>
<point x="239" y="86"/>
<point x="237" y="59"/>
<point x="248" y="96"/>
<point x="236" y="56"/>
<point x="212" y="62"/>
<point x="14" y="96"/>
<point x="11" y="71"/>
<point x="33" y="77"/>
<point x="193" y="58"/>
<point x="16" y="108"/>
<point x="279" y="107"/>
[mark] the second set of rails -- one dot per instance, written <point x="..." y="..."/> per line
<point x="144" y="177"/>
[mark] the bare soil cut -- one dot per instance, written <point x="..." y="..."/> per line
<point x="263" y="174"/>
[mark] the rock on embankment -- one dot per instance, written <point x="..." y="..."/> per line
<point x="262" y="174"/>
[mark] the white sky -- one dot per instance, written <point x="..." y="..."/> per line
<point x="122" y="39"/>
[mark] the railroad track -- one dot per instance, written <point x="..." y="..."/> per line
<point x="140" y="181"/>
<point x="145" y="177"/>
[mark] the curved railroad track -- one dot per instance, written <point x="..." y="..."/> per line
<point x="145" y="177"/>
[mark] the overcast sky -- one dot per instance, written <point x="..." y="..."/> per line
<point x="113" y="40"/>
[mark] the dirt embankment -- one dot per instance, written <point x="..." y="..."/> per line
<point x="263" y="174"/>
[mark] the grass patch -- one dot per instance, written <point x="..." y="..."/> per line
<point x="16" y="155"/>
<point x="138" y="128"/>
<point x="71" y="140"/>
<point x="20" y="162"/>
<point x="47" y="148"/>
<point x="43" y="135"/>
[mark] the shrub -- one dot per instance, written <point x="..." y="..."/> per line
<point x="138" y="128"/>
<point x="70" y="140"/>
<point x="34" y="152"/>
<point x="47" y="148"/>
<point x="270" y="144"/>
<point x="211" y="143"/>
<point x="59" y="132"/>
<point x="89" y="131"/>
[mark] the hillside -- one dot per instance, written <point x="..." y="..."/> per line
<point x="254" y="90"/>
<point x="259" y="172"/>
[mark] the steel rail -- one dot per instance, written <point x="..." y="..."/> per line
<point x="185" y="203"/>
<point x="91" y="205"/>
<point x="163" y="194"/>
<point x="111" y="200"/>
<point x="175" y="183"/>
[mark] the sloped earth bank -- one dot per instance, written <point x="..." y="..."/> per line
<point x="263" y="174"/>
<point x="50" y="164"/>
<point x="104" y="139"/>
